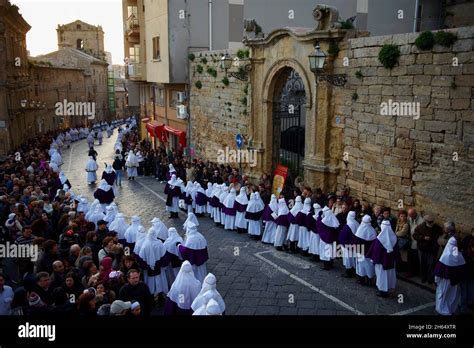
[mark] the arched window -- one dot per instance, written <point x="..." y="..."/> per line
<point x="78" y="27"/>
<point x="79" y="44"/>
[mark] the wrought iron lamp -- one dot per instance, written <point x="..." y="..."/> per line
<point x="317" y="61"/>
<point x="226" y="62"/>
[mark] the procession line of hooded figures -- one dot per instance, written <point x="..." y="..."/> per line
<point x="316" y="231"/>
<point x="172" y="266"/>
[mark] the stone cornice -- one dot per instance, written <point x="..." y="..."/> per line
<point x="309" y="35"/>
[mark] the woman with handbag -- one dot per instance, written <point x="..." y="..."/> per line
<point x="403" y="235"/>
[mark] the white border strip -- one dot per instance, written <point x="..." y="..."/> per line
<point x="415" y="309"/>
<point x="305" y="283"/>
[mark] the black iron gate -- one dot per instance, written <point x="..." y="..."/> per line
<point x="289" y="126"/>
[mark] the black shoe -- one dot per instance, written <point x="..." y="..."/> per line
<point x="381" y="293"/>
<point x="326" y="266"/>
<point x="316" y="258"/>
<point x="279" y="248"/>
<point x="361" y="280"/>
<point x="348" y="273"/>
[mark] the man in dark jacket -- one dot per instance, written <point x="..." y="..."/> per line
<point x="426" y="236"/>
<point x="136" y="290"/>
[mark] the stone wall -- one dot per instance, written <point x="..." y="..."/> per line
<point x="427" y="162"/>
<point x="217" y="112"/>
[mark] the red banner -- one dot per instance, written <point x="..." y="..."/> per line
<point x="279" y="179"/>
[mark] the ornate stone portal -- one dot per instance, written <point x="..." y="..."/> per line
<point x="316" y="150"/>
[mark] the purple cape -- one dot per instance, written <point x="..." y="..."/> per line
<point x="365" y="243"/>
<point x="378" y="254"/>
<point x="311" y="223"/>
<point x="346" y="237"/>
<point x="195" y="257"/>
<point x="282" y="220"/>
<point x="214" y="202"/>
<point x="188" y="200"/>
<point x="104" y="197"/>
<point x="327" y="234"/>
<point x="173" y="259"/>
<point x="109" y="177"/>
<point x="267" y="214"/>
<point x="241" y="208"/>
<point x="229" y="211"/>
<point x="454" y="273"/>
<point x="254" y="216"/>
<point x="201" y="198"/>
<point x="301" y="219"/>
<point x="171" y="308"/>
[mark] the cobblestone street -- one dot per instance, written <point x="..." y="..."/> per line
<point x="254" y="278"/>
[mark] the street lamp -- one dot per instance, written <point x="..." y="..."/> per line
<point x="317" y="61"/>
<point x="226" y="62"/>
<point x="23" y="103"/>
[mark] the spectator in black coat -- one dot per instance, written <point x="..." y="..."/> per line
<point x="135" y="290"/>
<point x="50" y="254"/>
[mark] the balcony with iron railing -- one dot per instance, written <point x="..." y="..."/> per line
<point x="133" y="26"/>
<point x="134" y="71"/>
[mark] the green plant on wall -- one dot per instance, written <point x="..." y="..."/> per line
<point x="355" y="96"/>
<point x="198" y="84"/>
<point x="212" y="72"/>
<point x="225" y="81"/>
<point x="347" y="24"/>
<point x="425" y="41"/>
<point x="204" y="60"/>
<point x="243" y="100"/>
<point x="445" y="38"/>
<point x="389" y="55"/>
<point x="199" y="69"/>
<point x="191" y="57"/>
<point x="333" y="49"/>
<point x="358" y="74"/>
<point x="246" y="89"/>
<point x="242" y="54"/>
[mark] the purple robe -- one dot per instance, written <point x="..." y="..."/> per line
<point x="104" y="197"/>
<point x="214" y="202"/>
<point x="171" y="192"/>
<point x="163" y="262"/>
<point x="282" y="220"/>
<point x="241" y="208"/>
<point x="229" y="211"/>
<point x="346" y="237"/>
<point x="311" y="223"/>
<point x="171" y="308"/>
<point x="195" y="257"/>
<point x="169" y="174"/>
<point x="378" y="254"/>
<point x="254" y="216"/>
<point x="454" y="273"/>
<point x="188" y="200"/>
<point x="327" y="234"/>
<point x="366" y="244"/>
<point x="174" y="260"/>
<point x="109" y="177"/>
<point x="300" y="219"/>
<point x="201" y="198"/>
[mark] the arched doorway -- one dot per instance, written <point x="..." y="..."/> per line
<point x="289" y="116"/>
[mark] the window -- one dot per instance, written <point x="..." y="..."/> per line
<point x="173" y="99"/>
<point x="156" y="47"/>
<point x="78" y="27"/>
<point x="132" y="10"/>
<point x="80" y="44"/>
<point x="134" y="54"/>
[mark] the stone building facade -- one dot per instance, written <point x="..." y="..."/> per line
<point x="82" y="36"/>
<point x="423" y="161"/>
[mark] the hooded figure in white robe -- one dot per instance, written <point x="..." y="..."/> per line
<point x="105" y="194"/>
<point x="92" y="208"/>
<point x="216" y="209"/>
<point x="96" y="213"/>
<point x="229" y="210"/>
<point x="303" y="232"/>
<point x="190" y="219"/>
<point x="173" y="254"/>
<point x="100" y="136"/>
<point x="314" y="238"/>
<point x="209" y="196"/>
<point x="222" y="197"/>
<point x="188" y="200"/>
<point x="194" y="250"/>
<point x="184" y="290"/>
<point x="110" y="213"/>
<point x="152" y="253"/>
<point x="173" y="191"/>
<point x="83" y="205"/>
<point x="208" y="292"/>
<point x="365" y="235"/>
<point x="160" y="228"/>
<point x="253" y="215"/>
<point x="120" y="226"/>
<point x="450" y="270"/>
<point x="269" y="214"/>
<point x="328" y="237"/>
<point x="56" y="158"/>
<point x="293" y="230"/>
<point x="132" y="165"/>
<point x="90" y="140"/>
<point x="200" y="198"/>
<point x="282" y="222"/>
<point x="241" y="202"/>
<point x="134" y="233"/>
<point x="193" y="194"/>
<point x="347" y="240"/>
<point x="212" y="308"/>
<point x="91" y="169"/>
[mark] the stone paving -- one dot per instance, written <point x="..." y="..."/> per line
<point x="253" y="278"/>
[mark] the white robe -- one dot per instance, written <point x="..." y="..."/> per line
<point x="240" y="220"/>
<point x="348" y="257"/>
<point x="386" y="278"/>
<point x="303" y="238"/>
<point x="255" y="227"/>
<point x="314" y="241"/>
<point x="325" y="251"/>
<point x="293" y="232"/>
<point x="269" y="232"/>
<point x="448" y="296"/>
<point x="364" y="267"/>
<point x="280" y="235"/>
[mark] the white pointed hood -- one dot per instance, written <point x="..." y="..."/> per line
<point x="451" y="255"/>
<point x="365" y="230"/>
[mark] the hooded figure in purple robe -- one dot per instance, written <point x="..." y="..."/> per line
<point x="384" y="253"/>
<point x="365" y="236"/>
<point x="240" y="205"/>
<point x="184" y="290"/>
<point x="173" y="192"/>
<point x="282" y="222"/>
<point x="201" y="200"/>
<point x="450" y="270"/>
<point x="104" y="193"/>
<point x="194" y="250"/>
<point x="328" y="229"/>
<point x="314" y="238"/>
<point x="269" y="221"/>
<point x="254" y="214"/>
<point x="229" y="210"/>
<point x="293" y="230"/>
<point x="303" y="231"/>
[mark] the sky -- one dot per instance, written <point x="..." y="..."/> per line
<point x="45" y="15"/>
